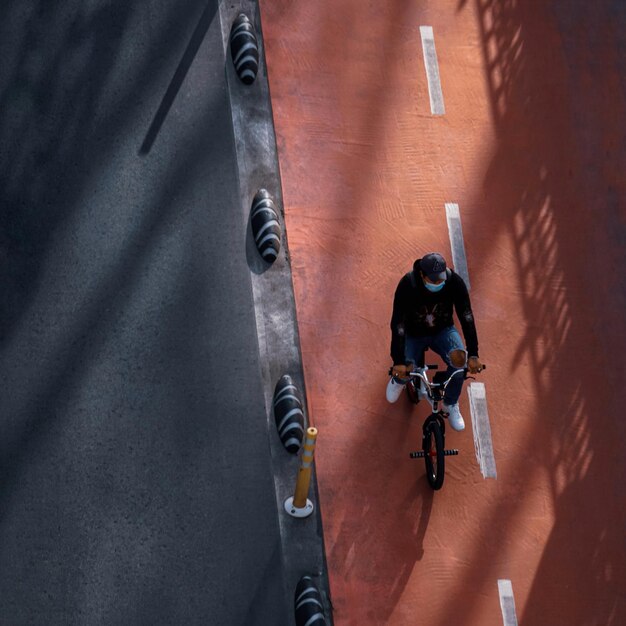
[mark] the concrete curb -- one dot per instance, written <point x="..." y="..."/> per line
<point x="277" y="329"/>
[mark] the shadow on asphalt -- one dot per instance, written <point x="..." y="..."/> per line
<point x="58" y="123"/>
<point x="179" y="76"/>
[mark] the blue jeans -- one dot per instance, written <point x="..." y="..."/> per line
<point x="442" y="343"/>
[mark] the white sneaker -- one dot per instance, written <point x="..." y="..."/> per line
<point x="394" y="389"/>
<point x="454" y="416"/>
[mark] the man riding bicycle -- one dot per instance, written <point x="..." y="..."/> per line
<point x="422" y="318"/>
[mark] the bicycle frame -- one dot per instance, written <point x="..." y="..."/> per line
<point x="433" y="392"/>
<point x="434" y="424"/>
<point x="433" y="430"/>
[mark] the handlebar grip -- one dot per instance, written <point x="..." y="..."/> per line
<point x="482" y="367"/>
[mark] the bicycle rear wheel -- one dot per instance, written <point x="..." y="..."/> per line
<point x="434" y="454"/>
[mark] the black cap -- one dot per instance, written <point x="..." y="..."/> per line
<point x="433" y="266"/>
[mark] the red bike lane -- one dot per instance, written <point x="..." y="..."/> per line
<point x="531" y="147"/>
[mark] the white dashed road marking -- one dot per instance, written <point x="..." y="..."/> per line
<point x="459" y="260"/>
<point x="482" y="430"/>
<point x="432" y="70"/>
<point x="507" y="603"/>
<point x="476" y="391"/>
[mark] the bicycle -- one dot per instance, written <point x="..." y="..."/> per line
<point x="434" y="430"/>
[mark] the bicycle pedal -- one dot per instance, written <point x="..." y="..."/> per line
<point x="417" y="455"/>
<point x="450" y="452"/>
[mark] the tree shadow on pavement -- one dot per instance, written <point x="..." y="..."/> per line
<point x="551" y="188"/>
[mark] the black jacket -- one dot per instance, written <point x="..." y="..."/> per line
<point x="419" y="312"/>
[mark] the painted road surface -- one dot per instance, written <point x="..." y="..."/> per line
<point x="136" y="484"/>
<point x="532" y="150"/>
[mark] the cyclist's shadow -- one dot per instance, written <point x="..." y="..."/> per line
<point x="418" y="502"/>
<point x="425" y="499"/>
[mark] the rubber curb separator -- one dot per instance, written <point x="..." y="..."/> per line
<point x="244" y="49"/>
<point x="302" y="540"/>
<point x="308" y="601"/>
<point x="265" y="225"/>
<point x="289" y="414"/>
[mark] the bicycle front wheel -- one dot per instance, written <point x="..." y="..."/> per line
<point x="434" y="454"/>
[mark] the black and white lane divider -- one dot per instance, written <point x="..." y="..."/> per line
<point x="288" y="414"/>
<point x="265" y="225"/>
<point x="244" y="49"/>
<point x="309" y="607"/>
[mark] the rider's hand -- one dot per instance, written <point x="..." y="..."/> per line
<point x="474" y="365"/>
<point x="399" y="371"/>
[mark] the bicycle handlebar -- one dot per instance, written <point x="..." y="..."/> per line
<point x="421" y="373"/>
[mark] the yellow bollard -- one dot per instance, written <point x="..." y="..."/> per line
<point x="299" y="505"/>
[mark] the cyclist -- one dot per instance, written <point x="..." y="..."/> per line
<point x="422" y="318"/>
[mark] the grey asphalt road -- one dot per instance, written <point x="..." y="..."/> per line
<point x="135" y="478"/>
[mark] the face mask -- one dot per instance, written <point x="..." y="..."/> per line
<point x="434" y="288"/>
